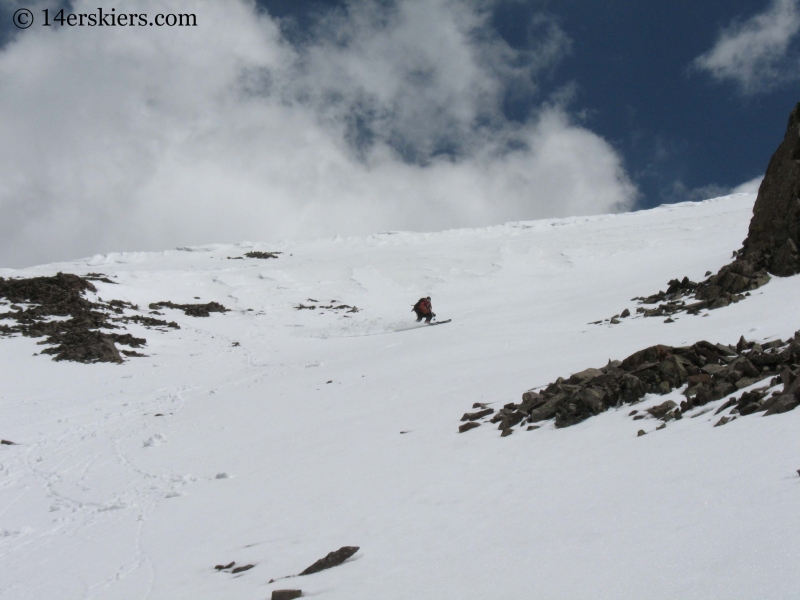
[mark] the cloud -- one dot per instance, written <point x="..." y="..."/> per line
<point x="757" y="54"/>
<point x="748" y="187"/>
<point x="387" y="115"/>
<point x="681" y="193"/>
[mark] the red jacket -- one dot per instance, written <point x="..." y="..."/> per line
<point x="423" y="306"/>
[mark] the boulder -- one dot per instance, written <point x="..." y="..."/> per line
<point x="742" y="345"/>
<point x="662" y="409"/>
<point x="242" y="569"/>
<point x="547" y="410"/>
<point x="509" y="420"/>
<point x="531" y="400"/>
<point x="477" y="415"/>
<point x="631" y="388"/>
<point x="653" y="354"/>
<point x="792" y="386"/>
<point x="701" y="378"/>
<point x="582" y="404"/>
<point x="781" y="404"/>
<point x="745" y="382"/>
<point x="713" y="369"/>
<point x="673" y="372"/>
<point x="584" y="376"/>
<point x="333" y="559"/>
<point x="286" y="594"/>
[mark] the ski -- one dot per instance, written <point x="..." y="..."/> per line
<point x="440" y="322"/>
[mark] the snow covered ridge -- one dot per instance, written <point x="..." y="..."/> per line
<point x="269" y="436"/>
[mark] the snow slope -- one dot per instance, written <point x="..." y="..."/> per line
<point x="260" y="460"/>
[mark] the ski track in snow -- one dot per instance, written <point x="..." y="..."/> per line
<point x="287" y="446"/>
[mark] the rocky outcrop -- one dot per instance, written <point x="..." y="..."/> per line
<point x="77" y="338"/>
<point x="57" y="309"/>
<point x="731" y="284"/>
<point x="774" y="235"/>
<point x="708" y="372"/>
<point x="771" y="245"/>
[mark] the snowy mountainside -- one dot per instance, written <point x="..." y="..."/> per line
<point x="284" y="434"/>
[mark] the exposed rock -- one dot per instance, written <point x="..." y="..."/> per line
<point x="774" y="232"/>
<point x="192" y="310"/>
<point x="625" y="313"/>
<point x="79" y="337"/>
<point x="507" y="432"/>
<point x="782" y="404"/>
<point x="468" y="426"/>
<point x="583" y="403"/>
<point x="790" y="386"/>
<point x="7" y="443"/>
<point x="727" y="405"/>
<point x="771" y="245"/>
<point x="262" y="255"/>
<point x="333" y="559"/>
<point x="531" y="400"/>
<point x="661" y="411"/>
<point x="228" y="566"/>
<point x="641" y="433"/>
<point x="242" y="569"/>
<point x="286" y="594"/>
<point x="745" y="382"/>
<point x="709" y="371"/>
<point x="546" y="411"/>
<point x="585" y="376"/>
<point x="477" y="415"/>
<point x="673" y="372"/>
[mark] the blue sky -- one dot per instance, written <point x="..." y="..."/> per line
<point x="683" y="135"/>
<point x="289" y="119"/>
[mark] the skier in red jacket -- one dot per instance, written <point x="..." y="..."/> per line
<point x="424" y="310"/>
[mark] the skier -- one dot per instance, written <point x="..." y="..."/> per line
<point x="424" y="310"/>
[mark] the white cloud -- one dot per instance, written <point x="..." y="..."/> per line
<point x="389" y="118"/>
<point x="681" y="193"/>
<point x="748" y="187"/>
<point x="757" y="54"/>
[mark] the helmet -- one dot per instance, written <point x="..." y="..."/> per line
<point x="428" y="298"/>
